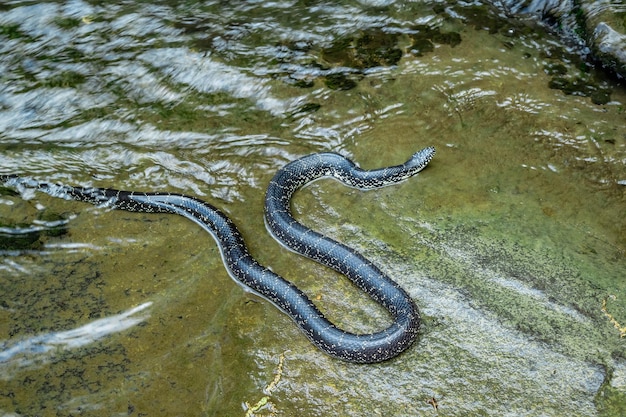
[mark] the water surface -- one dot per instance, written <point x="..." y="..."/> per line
<point x="511" y="242"/>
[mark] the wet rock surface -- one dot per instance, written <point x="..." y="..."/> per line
<point x="598" y="26"/>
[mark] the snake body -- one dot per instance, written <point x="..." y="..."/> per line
<point x="359" y="348"/>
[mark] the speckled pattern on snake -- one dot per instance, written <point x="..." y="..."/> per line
<point x="359" y="348"/>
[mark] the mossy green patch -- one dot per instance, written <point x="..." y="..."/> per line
<point x="582" y="87"/>
<point x="370" y="48"/>
<point x="339" y="81"/>
<point x="307" y="108"/>
<point x="19" y="237"/>
<point x="8" y="191"/>
<point x="555" y="69"/>
<point x="425" y="37"/>
<point x="304" y="83"/>
<point x="66" y="79"/>
<point x="55" y="224"/>
<point x="67" y="22"/>
<point x="376" y="48"/>
<point x="422" y="46"/>
<point x="11" y="31"/>
<point x="611" y="402"/>
<point x="483" y="18"/>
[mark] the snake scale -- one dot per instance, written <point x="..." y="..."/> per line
<point x="358" y="348"/>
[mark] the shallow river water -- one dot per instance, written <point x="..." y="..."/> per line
<point x="512" y="242"/>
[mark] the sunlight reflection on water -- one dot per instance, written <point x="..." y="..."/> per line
<point x="38" y="350"/>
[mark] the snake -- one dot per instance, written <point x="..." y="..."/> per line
<point x="244" y="268"/>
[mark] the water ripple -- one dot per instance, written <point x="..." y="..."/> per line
<point x="38" y="350"/>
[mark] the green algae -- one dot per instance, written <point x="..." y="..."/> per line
<point x="581" y="87"/>
<point x="368" y="49"/>
<point x="68" y="79"/>
<point x="11" y="31"/>
<point x="611" y="402"/>
<point x="425" y="37"/>
<point x="21" y="237"/>
<point x="67" y="22"/>
<point x="339" y="81"/>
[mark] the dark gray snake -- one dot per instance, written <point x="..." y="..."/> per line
<point x="360" y="348"/>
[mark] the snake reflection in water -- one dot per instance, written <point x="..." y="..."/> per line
<point x="359" y="348"/>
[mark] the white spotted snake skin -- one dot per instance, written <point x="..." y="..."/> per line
<point x="359" y="348"/>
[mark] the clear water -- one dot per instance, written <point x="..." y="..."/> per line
<point x="512" y="241"/>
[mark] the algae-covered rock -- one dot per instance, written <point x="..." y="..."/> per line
<point x="377" y="48"/>
<point x="21" y="234"/>
<point x="27" y="236"/>
<point x="54" y="224"/>
<point x="339" y="81"/>
<point x="19" y="237"/>
<point x="581" y="87"/>
<point x="425" y="37"/>
<point x="370" y="48"/>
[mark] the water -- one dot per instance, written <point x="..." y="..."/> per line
<point x="512" y="241"/>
